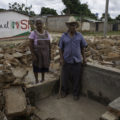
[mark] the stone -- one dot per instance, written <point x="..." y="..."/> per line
<point x="115" y="106"/>
<point x="8" y="56"/>
<point x="109" y="116"/>
<point x="100" y="46"/>
<point x="1" y="66"/>
<point x="19" y="72"/>
<point x="55" y="66"/>
<point x="57" y="58"/>
<point x="106" y="63"/>
<point x="29" y="78"/>
<point x="30" y="110"/>
<point x="93" y="51"/>
<point x="17" y="55"/>
<point x="57" y="51"/>
<point x="27" y="53"/>
<point x="1" y="56"/>
<point x="2" y="116"/>
<point x="15" y="101"/>
<point x="1" y="50"/>
<point x="6" y="76"/>
<point x="111" y="56"/>
<point x="117" y="63"/>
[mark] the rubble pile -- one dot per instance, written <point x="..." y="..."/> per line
<point x="105" y="51"/>
<point x="15" y="73"/>
<point x="13" y="62"/>
<point x="100" y="50"/>
<point x="55" y="56"/>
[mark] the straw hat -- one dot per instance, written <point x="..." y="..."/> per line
<point x="72" y="20"/>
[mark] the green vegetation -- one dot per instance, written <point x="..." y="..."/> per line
<point x="48" y="11"/>
<point x="77" y="8"/>
<point x="21" y="8"/>
<point x="100" y="33"/>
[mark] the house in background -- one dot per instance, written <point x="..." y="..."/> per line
<point x="57" y="24"/>
<point x="13" y="24"/>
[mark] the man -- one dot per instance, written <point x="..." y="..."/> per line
<point x="72" y="46"/>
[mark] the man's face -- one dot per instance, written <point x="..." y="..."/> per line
<point x="39" y="24"/>
<point x="72" y="26"/>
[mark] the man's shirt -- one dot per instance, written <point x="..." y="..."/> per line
<point x="71" y="47"/>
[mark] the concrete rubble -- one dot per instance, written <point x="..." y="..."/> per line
<point x="113" y="112"/>
<point x="16" y="69"/>
<point x="15" y="101"/>
<point x="15" y="75"/>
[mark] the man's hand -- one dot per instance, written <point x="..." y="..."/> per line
<point x="61" y="61"/>
<point x="84" y="62"/>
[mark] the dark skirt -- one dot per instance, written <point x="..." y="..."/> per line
<point x="41" y="70"/>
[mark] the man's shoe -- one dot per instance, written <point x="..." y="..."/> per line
<point x="76" y="98"/>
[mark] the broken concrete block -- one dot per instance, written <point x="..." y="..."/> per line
<point x="1" y="56"/>
<point x="19" y="72"/>
<point x="17" y="55"/>
<point x="8" y="56"/>
<point x="113" y="56"/>
<point x="1" y="66"/>
<point x="6" y="76"/>
<point x="109" y="116"/>
<point x="2" y="116"/>
<point x="1" y="50"/>
<point x="15" y="101"/>
<point x="57" y="58"/>
<point x="115" y="106"/>
<point x="55" y="66"/>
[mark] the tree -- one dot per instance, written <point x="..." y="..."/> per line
<point x="21" y="8"/>
<point x="1" y="10"/>
<point x="77" y="8"/>
<point x="46" y="11"/>
<point x="109" y="17"/>
<point x="118" y="17"/>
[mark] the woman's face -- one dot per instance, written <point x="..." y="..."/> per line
<point x="39" y="24"/>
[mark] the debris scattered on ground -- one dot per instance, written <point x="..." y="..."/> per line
<point x="113" y="112"/>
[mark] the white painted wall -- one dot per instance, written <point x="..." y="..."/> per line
<point x="13" y="23"/>
<point x="85" y="26"/>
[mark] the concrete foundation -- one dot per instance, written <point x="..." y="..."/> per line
<point x="101" y="83"/>
<point x="98" y="82"/>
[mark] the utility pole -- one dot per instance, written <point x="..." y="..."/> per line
<point x="106" y="18"/>
<point x="26" y="3"/>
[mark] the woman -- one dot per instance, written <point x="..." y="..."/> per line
<point x="40" y="50"/>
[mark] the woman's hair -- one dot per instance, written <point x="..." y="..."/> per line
<point x="42" y="21"/>
<point x="39" y="19"/>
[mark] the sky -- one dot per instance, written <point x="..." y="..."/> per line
<point x="96" y="6"/>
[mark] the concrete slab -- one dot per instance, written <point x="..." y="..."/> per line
<point x="115" y="104"/>
<point x="68" y="109"/>
<point x="109" y="116"/>
<point x="31" y="79"/>
<point x="15" y="101"/>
